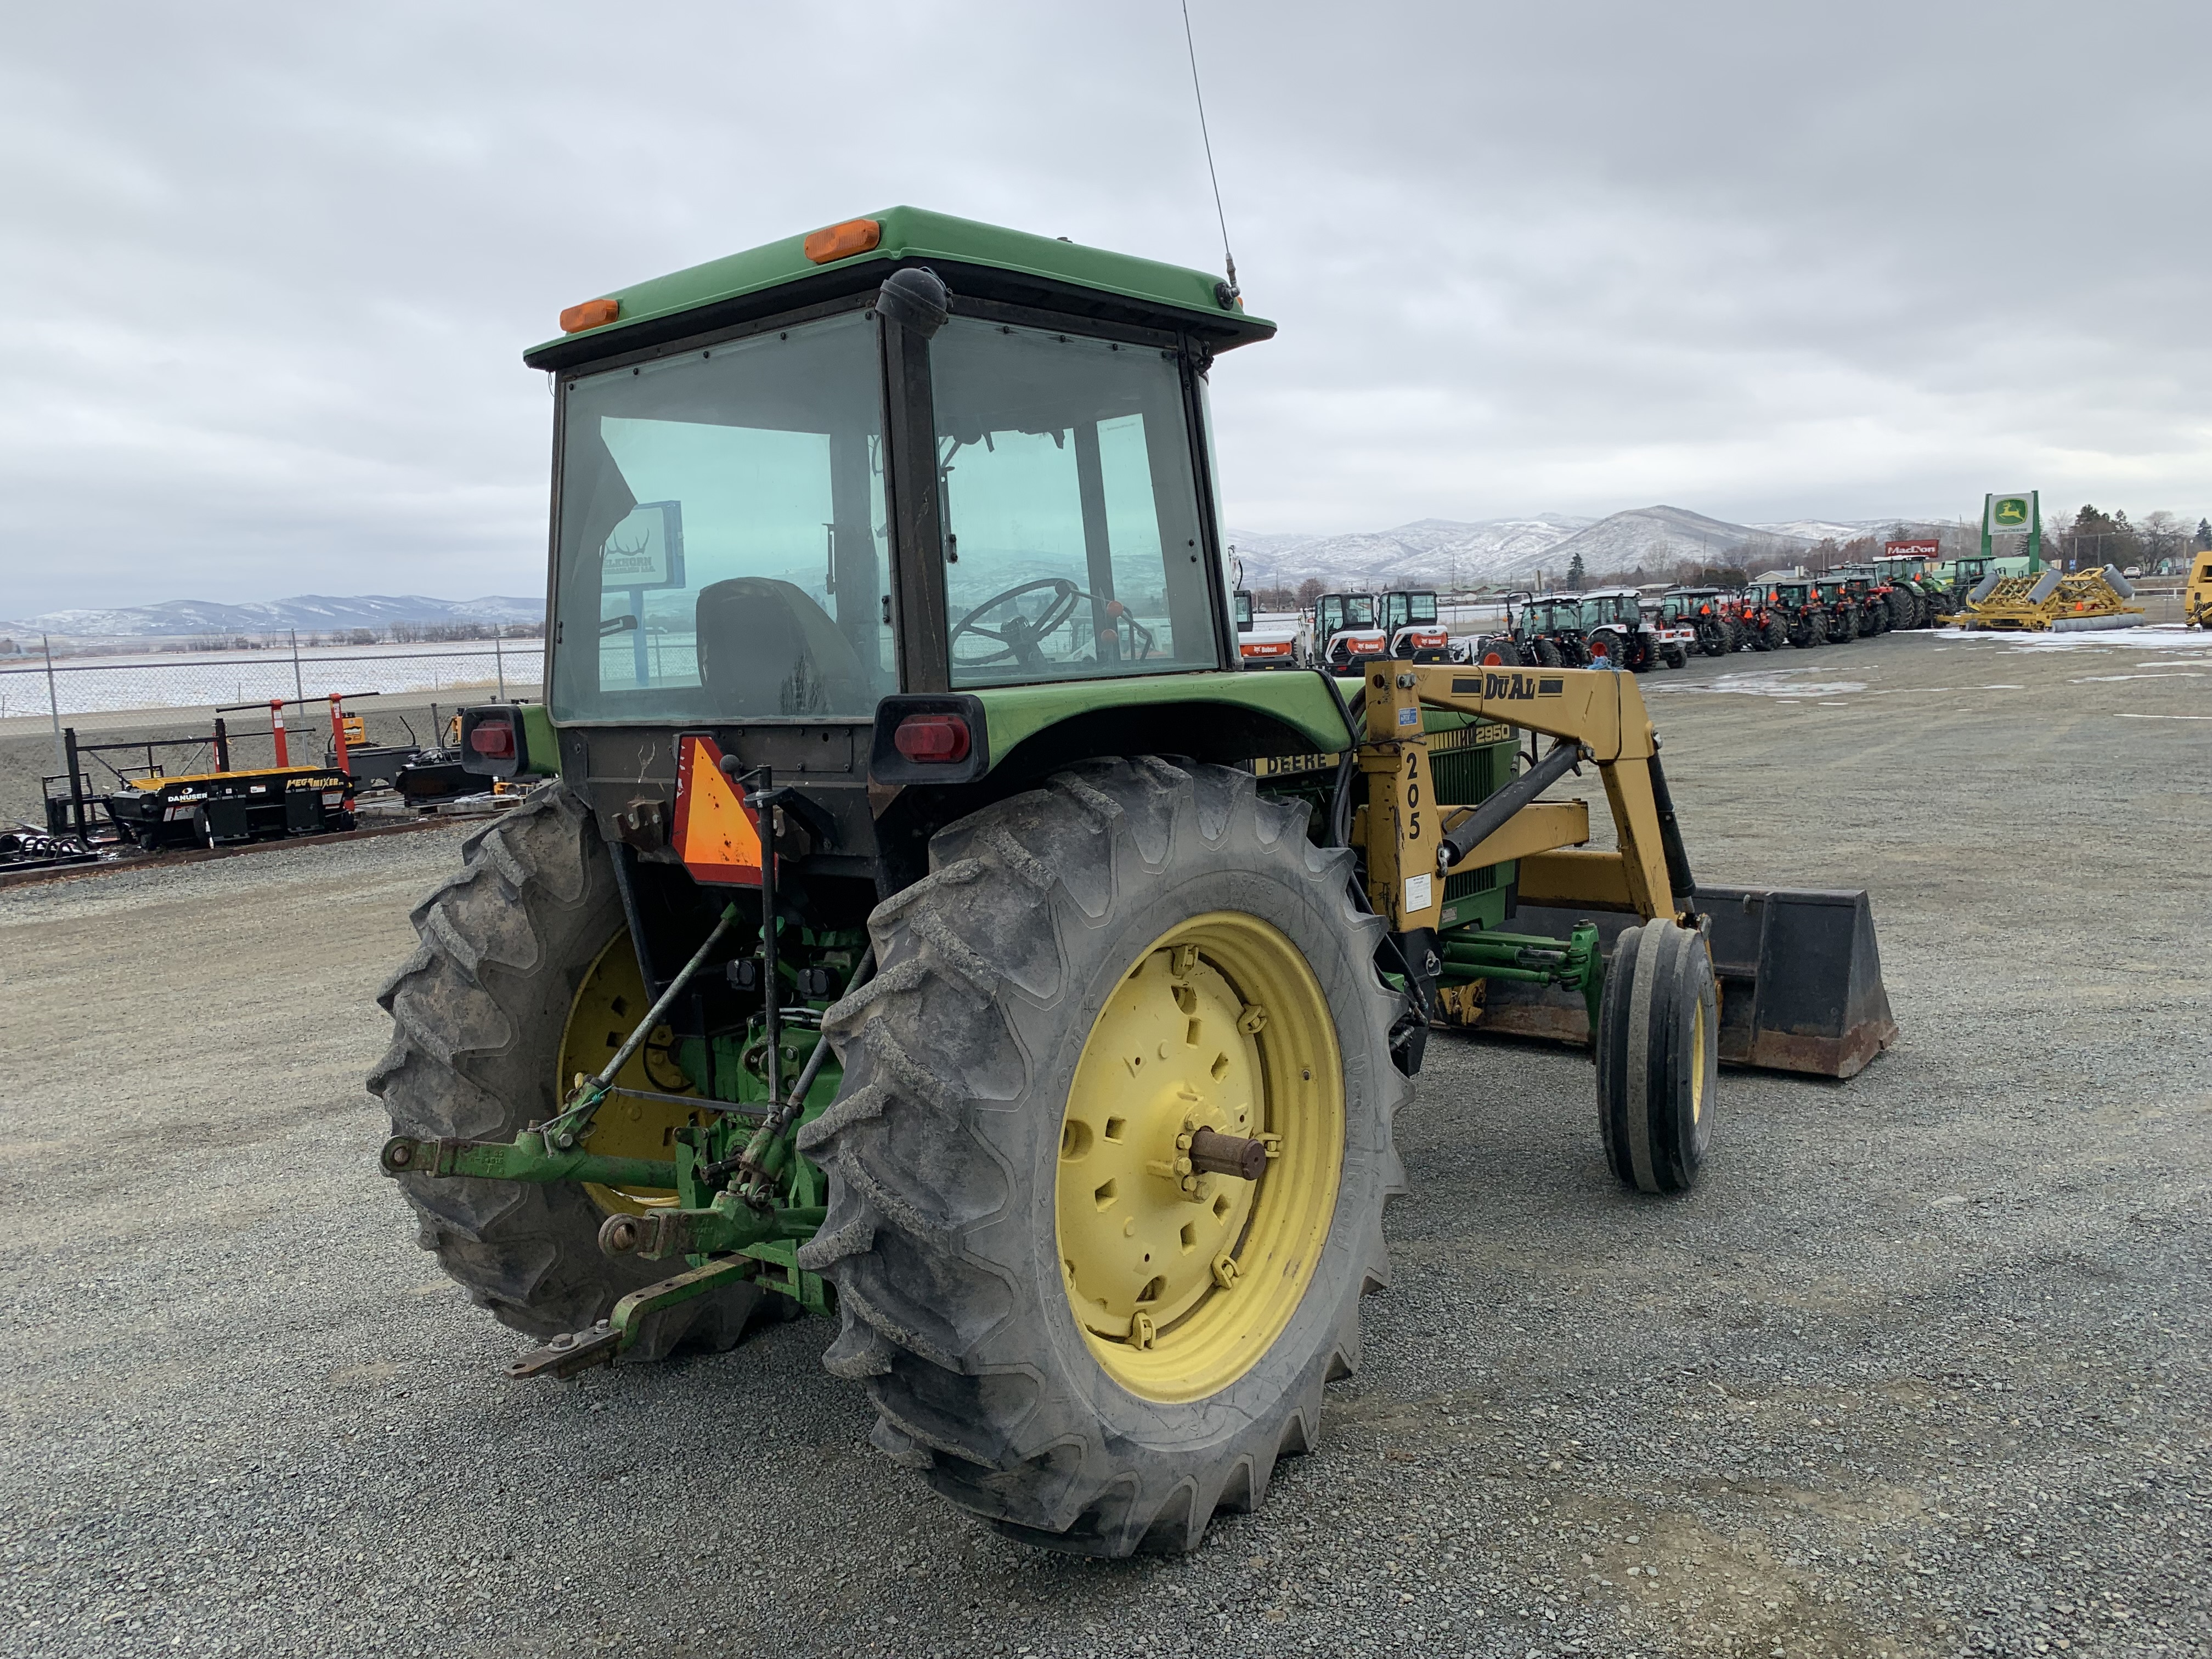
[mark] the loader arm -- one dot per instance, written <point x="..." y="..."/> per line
<point x="1403" y="828"/>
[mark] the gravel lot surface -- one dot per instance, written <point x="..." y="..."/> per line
<point x="1918" y="1370"/>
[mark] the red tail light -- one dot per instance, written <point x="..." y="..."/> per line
<point x="494" y="739"/>
<point x="926" y="738"/>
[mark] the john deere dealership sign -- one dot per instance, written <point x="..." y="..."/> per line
<point x="2015" y="513"/>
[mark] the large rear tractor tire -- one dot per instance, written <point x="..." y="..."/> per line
<point x="1658" y="1057"/>
<point x="1547" y="654"/>
<point x="519" y="953"/>
<point x="1068" y="1331"/>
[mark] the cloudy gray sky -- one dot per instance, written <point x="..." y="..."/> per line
<point x="265" y="269"/>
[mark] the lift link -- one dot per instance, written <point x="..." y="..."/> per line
<point x="527" y="1157"/>
<point x="566" y="1355"/>
<point x="573" y="1120"/>
<point x="727" y="1224"/>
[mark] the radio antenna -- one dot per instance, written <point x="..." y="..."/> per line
<point x="1197" y="93"/>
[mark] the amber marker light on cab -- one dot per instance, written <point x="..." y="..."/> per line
<point x="842" y="241"/>
<point x="591" y="313"/>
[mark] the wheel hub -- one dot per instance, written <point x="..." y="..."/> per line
<point x="1216" y="1038"/>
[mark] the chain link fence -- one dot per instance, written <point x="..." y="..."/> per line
<point x="59" y="686"/>
<point x="135" y="696"/>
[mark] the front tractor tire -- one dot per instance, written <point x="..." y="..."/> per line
<point x="1067" y="1329"/>
<point x="514" y="949"/>
<point x="1658" y="1057"/>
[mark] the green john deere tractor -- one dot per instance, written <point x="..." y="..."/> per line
<point x="922" y="922"/>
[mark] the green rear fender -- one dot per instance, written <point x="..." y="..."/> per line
<point x="1215" y="716"/>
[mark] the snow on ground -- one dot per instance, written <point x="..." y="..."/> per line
<point x="2154" y="637"/>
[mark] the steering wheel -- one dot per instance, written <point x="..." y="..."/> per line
<point x="1018" y="636"/>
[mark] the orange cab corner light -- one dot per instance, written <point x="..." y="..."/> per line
<point x="591" y="313"/>
<point x="842" y="241"/>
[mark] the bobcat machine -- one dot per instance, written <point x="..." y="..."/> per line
<point x="1417" y="633"/>
<point x="922" y="922"/>
<point x="1263" y="645"/>
<point x="1347" y="632"/>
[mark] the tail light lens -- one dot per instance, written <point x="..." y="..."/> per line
<point x="494" y="740"/>
<point x="941" y="739"/>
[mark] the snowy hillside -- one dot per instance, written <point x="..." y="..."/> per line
<point x="1439" y="553"/>
<point x="1656" y="537"/>
<point x="1428" y="553"/>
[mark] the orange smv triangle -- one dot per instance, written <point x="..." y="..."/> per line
<point x="717" y="835"/>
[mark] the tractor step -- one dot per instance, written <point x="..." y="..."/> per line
<point x="1800" y="978"/>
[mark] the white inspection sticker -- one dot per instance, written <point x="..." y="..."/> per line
<point x="1417" y="892"/>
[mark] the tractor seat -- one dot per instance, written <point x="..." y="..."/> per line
<point x="766" y="648"/>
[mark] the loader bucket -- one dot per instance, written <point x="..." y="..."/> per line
<point x="1800" y="980"/>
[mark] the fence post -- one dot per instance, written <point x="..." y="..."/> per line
<point x="77" y="787"/>
<point x="53" y="705"/>
<point x="499" y="663"/>
<point x="298" y="689"/>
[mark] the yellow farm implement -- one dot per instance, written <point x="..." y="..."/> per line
<point x="2050" y="602"/>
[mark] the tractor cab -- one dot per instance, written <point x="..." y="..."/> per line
<point x="1347" y="631"/>
<point x="1417" y="633"/>
<point x="1712" y="614"/>
<point x="1552" y="630"/>
<point x="906" y="457"/>
<point x="1613" y="627"/>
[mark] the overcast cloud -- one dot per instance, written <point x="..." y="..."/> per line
<point x="266" y="270"/>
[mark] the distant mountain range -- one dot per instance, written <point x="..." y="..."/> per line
<point x="310" y="613"/>
<point x="1428" y="553"/>
<point x="1443" y="553"/>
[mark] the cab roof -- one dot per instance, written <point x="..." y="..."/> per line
<point x="985" y="261"/>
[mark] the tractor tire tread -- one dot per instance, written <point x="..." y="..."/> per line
<point x="946" y="1318"/>
<point x="476" y="1013"/>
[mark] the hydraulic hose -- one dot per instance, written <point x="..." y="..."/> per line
<point x="1671" y="838"/>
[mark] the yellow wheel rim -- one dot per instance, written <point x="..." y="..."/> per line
<point x="1180" y="1282"/>
<point x="1697" y="1064"/>
<point x="604" y="1011"/>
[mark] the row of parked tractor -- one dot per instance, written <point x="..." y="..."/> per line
<point x="1618" y="627"/>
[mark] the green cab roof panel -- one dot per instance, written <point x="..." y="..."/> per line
<point x="1174" y="294"/>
